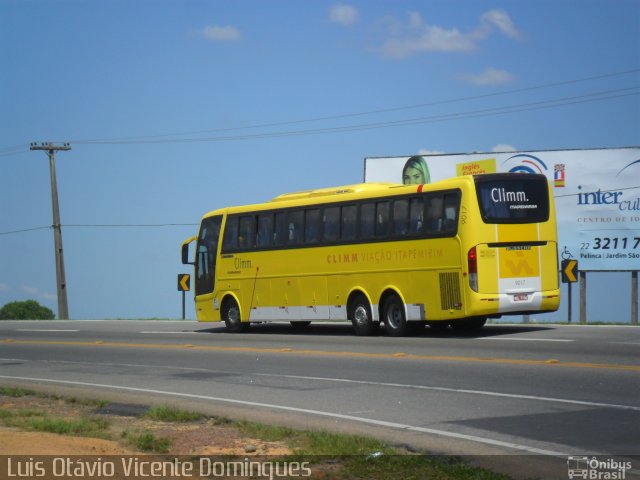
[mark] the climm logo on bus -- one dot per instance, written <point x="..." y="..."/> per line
<point x="608" y="198"/>
<point x="501" y="195"/>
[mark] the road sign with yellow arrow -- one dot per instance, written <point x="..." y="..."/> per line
<point x="569" y="271"/>
<point x="184" y="282"/>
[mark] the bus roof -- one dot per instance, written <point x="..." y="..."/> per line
<point x="342" y="193"/>
<point x="324" y="192"/>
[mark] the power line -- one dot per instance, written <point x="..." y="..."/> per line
<point x="12" y="153"/>
<point x="14" y="147"/>
<point x="104" y="225"/>
<point x="26" y="230"/>
<point x="152" y="225"/>
<point x="509" y="109"/>
<point x="18" y="149"/>
<point x="370" y="112"/>
<point x="116" y="225"/>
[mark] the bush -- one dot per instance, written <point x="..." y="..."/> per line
<point x="26" y="310"/>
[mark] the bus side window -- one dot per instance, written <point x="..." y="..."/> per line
<point x="265" y="230"/>
<point x="400" y="217"/>
<point x="382" y="219"/>
<point x="349" y="225"/>
<point x="296" y="227"/>
<point x="435" y="213"/>
<point x="331" y="221"/>
<point x="451" y="207"/>
<point x="281" y="235"/>
<point x="311" y="225"/>
<point x="247" y="235"/>
<point x="367" y="221"/>
<point x="230" y="239"/>
<point x="416" y="216"/>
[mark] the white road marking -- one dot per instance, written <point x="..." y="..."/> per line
<point x="527" y="339"/>
<point x="43" y="330"/>
<point x="370" y="421"/>
<point x="463" y="390"/>
<point x="516" y="396"/>
<point x="172" y="333"/>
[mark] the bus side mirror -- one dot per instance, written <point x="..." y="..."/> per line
<point x="185" y="251"/>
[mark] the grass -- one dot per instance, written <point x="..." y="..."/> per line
<point x="147" y="441"/>
<point x="269" y="433"/>
<point x="16" y="392"/>
<point x="165" y="413"/>
<point x="22" y="392"/>
<point x="358" y="457"/>
<point x="335" y="455"/>
<point x="413" y="467"/>
<point x="39" y="421"/>
<point x="83" y="427"/>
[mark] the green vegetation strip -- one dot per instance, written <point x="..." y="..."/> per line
<point x="164" y="413"/>
<point x="342" y="456"/>
<point x="147" y="442"/>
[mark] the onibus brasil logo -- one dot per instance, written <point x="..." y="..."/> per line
<point x="593" y="468"/>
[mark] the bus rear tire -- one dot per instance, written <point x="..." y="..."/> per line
<point x="231" y="317"/>
<point x="361" y="318"/>
<point x="395" y="320"/>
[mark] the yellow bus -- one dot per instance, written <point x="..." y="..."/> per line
<point x="454" y="252"/>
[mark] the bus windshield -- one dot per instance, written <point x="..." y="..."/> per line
<point x="513" y="198"/>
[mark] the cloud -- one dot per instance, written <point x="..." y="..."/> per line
<point x="504" y="147"/>
<point x="491" y="76"/>
<point x="416" y="36"/>
<point x="424" y="151"/>
<point x="4" y="287"/>
<point x="343" y="14"/>
<point x="217" y="33"/>
<point x="502" y="21"/>
<point x="36" y="292"/>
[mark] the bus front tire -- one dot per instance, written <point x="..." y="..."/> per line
<point x="361" y="318"/>
<point x="394" y="317"/>
<point x="231" y="317"/>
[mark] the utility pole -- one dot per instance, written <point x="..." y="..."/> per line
<point x="51" y="149"/>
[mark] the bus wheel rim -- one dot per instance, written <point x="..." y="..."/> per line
<point x="361" y="316"/>
<point x="394" y="317"/>
<point x="234" y="314"/>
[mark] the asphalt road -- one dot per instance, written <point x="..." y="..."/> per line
<point x="554" y="391"/>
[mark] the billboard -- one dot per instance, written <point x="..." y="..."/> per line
<point x="596" y="191"/>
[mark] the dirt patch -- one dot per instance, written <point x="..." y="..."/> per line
<point x="208" y="436"/>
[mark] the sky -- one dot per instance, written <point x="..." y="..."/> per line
<point x="176" y="108"/>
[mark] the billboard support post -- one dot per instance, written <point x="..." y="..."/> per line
<point x="634" y="297"/>
<point x="583" y="297"/>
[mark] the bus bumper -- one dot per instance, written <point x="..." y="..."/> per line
<point x="514" y="303"/>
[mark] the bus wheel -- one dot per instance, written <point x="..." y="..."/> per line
<point x="361" y="319"/>
<point x="231" y="317"/>
<point x="469" y="324"/>
<point x="394" y="317"/>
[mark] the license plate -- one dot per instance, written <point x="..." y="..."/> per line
<point x="521" y="297"/>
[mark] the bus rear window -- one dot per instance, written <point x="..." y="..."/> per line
<point x="513" y="198"/>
